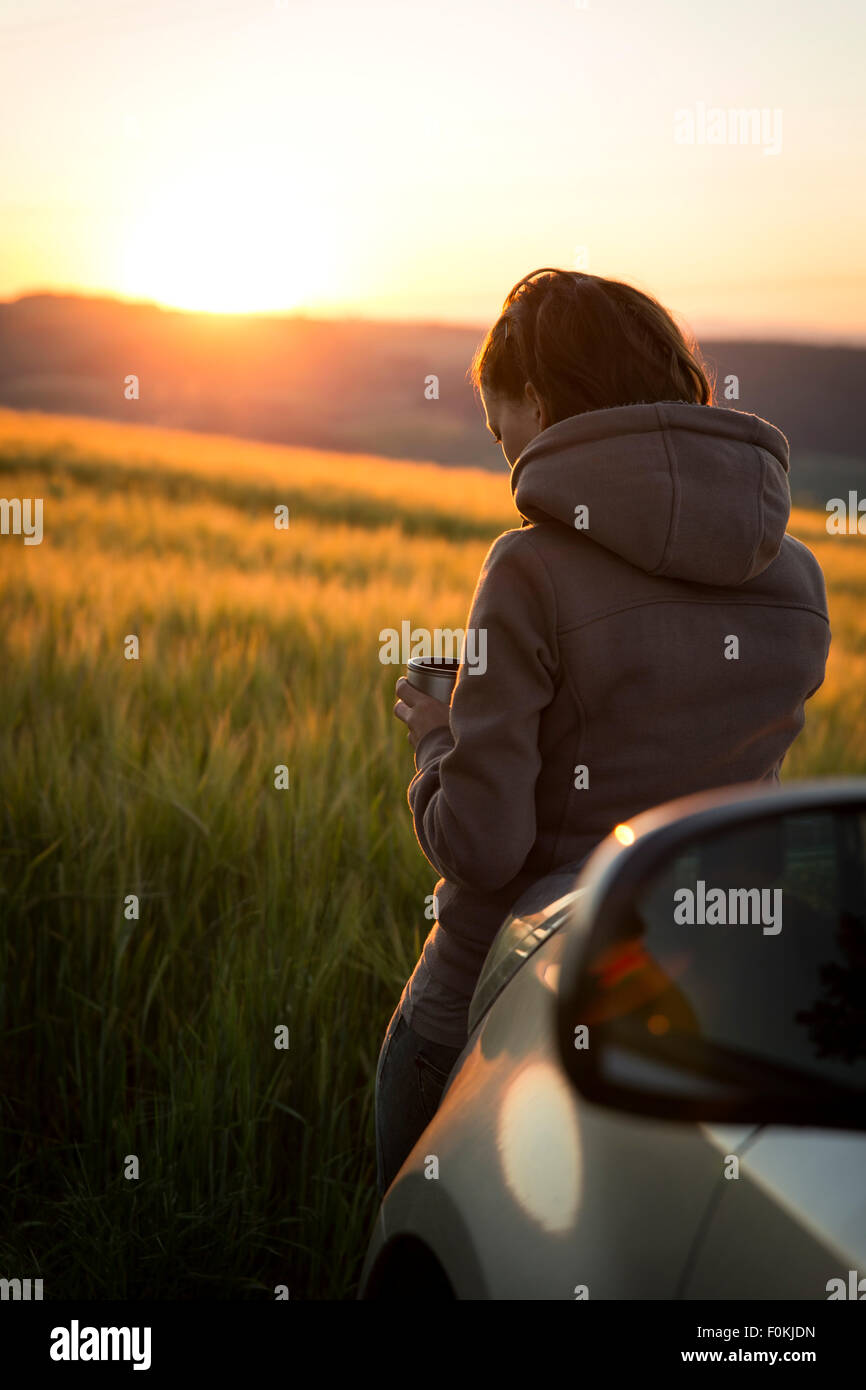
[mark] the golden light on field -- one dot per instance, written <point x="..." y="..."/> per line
<point x="231" y="236"/>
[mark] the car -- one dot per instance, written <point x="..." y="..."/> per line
<point x="662" y="1091"/>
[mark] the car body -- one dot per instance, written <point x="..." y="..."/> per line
<point x="522" y="1187"/>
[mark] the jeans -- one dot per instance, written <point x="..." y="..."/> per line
<point x="410" y="1077"/>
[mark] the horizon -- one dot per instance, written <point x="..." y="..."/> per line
<point x="757" y="336"/>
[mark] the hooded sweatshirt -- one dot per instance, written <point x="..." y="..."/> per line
<point x="651" y="631"/>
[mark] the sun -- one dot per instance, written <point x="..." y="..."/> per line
<point x="230" y="239"/>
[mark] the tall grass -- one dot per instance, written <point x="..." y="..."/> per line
<point x="155" y="1037"/>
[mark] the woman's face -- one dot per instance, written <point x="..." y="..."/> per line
<point x="514" y="423"/>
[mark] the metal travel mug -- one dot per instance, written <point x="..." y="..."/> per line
<point x="435" y="675"/>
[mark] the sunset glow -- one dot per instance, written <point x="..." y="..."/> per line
<point x="348" y="160"/>
<point x="228" y="240"/>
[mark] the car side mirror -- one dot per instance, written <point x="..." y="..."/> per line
<point x="716" y="969"/>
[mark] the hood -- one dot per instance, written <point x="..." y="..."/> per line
<point x="691" y="492"/>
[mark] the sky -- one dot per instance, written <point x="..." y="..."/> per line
<point x="404" y="161"/>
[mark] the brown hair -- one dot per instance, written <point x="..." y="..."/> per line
<point x="587" y="343"/>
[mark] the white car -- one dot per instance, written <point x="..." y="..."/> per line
<point x="662" y="1092"/>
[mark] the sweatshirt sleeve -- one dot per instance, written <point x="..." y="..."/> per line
<point x="473" y="796"/>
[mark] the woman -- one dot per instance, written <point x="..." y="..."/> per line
<point x="651" y="631"/>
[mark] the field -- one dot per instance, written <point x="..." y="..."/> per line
<point x="258" y="907"/>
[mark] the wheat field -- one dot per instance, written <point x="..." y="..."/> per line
<point x="258" y="907"/>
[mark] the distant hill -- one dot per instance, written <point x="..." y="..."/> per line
<point x="358" y="386"/>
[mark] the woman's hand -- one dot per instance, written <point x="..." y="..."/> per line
<point x="420" y="711"/>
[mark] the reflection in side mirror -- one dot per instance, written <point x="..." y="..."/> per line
<point x="720" y="973"/>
